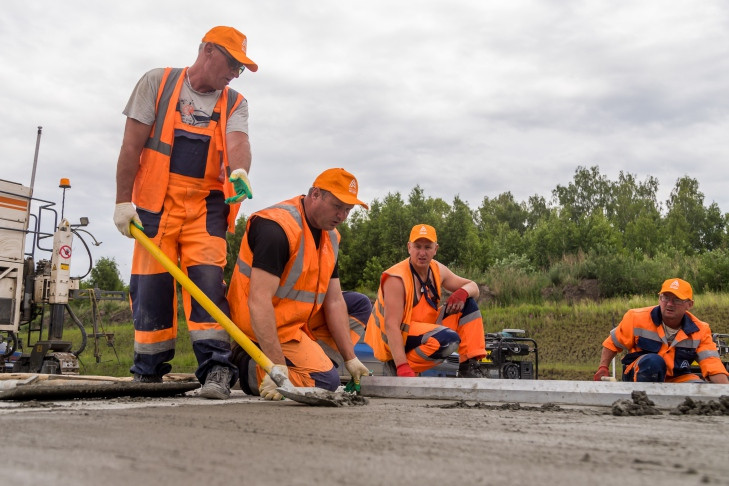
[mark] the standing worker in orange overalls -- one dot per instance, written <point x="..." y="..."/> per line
<point x="662" y="341"/>
<point x="409" y="329"/>
<point x="181" y="175"/>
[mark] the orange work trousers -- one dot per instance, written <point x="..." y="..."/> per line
<point x="190" y="230"/>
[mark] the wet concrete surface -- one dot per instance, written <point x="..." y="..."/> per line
<point x="246" y="440"/>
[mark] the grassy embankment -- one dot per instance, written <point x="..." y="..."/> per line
<point x="569" y="337"/>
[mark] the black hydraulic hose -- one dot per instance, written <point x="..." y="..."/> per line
<point x="84" y="338"/>
<point x="88" y="252"/>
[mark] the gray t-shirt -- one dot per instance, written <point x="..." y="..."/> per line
<point x="195" y="108"/>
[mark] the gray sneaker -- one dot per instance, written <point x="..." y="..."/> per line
<point x="217" y="384"/>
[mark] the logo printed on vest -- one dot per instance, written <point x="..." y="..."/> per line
<point x="684" y="365"/>
<point x="353" y="187"/>
<point x="674" y="285"/>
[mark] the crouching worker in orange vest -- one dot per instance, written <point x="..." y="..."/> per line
<point x="661" y="342"/>
<point x="285" y="293"/>
<point x="410" y="329"/>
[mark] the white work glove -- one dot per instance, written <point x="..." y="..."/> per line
<point x="267" y="388"/>
<point x="356" y="369"/>
<point x="125" y="213"/>
<point x="242" y="186"/>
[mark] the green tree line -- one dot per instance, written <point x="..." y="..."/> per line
<point x="616" y="232"/>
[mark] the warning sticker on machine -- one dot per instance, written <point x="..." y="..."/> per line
<point x="65" y="251"/>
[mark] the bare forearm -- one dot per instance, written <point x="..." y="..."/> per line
<point x="607" y="356"/>
<point x="263" y="321"/>
<point x="719" y="378"/>
<point x="126" y="172"/>
<point x="395" y="342"/>
<point x="239" y="151"/>
<point x="135" y="136"/>
<point x="338" y="324"/>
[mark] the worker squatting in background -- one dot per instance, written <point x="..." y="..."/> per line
<point x="285" y="293"/>
<point x="181" y="175"/>
<point x="662" y="341"/>
<point x="409" y="330"/>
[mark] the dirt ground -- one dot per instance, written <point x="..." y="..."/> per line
<point x="245" y="440"/>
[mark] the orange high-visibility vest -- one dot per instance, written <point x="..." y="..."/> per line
<point x="375" y="335"/>
<point x="640" y="332"/>
<point x="150" y="184"/>
<point x="305" y="278"/>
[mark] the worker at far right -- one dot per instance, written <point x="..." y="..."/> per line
<point x="661" y="342"/>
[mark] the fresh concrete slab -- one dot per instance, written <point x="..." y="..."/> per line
<point x="588" y="393"/>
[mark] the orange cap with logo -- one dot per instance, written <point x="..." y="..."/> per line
<point x="341" y="184"/>
<point x="679" y="288"/>
<point x="423" y="231"/>
<point x="234" y="42"/>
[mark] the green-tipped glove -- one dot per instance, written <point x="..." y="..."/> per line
<point x="242" y="186"/>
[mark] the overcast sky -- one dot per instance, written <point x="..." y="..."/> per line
<point x="470" y="98"/>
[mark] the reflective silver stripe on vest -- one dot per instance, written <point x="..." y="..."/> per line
<point x="232" y="98"/>
<point x="466" y="319"/>
<point x="243" y="267"/>
<point x="210" y="335"/>
<point x="154" y="348"/>
<point x="687" y="343"/>
<point x="286" y="290"/>
<point x="615" y="341"/>
<point x="645" y="333"/>
<point x="155" y="141"/>
<point x="379" y="307"/>
<point x="356" y="326"/>
<point x="707" y="354"/>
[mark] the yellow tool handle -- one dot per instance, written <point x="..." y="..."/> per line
<point x="207" y="304"/>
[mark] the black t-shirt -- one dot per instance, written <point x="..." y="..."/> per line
<point x="270" y="246"/>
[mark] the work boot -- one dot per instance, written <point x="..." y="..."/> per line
<point x="470" y="369"/>
<point x="217" y="384"/>
<point x="246" y="369"/>
<point x="147" y="378"/>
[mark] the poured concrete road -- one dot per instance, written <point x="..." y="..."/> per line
<point x="248" y="441"/>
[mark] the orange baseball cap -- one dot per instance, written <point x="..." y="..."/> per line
<point x="423" y="231"/>
<point x="234" y="42"/>
<point x="679" y="288"/>
<point x="341" y="184"/>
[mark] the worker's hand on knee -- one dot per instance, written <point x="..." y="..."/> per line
<point x="356" y="369"/>
<point x="242" y="186"/>
<point x="405" y="370"/>
<point x="125" y="213"/>
<point x="601" y="371"/>
<point x="456" y="301"/>
<point x="268" y="387"/>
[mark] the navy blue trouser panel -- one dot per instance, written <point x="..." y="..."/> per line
<point x="152" y="297"/>
<point x="216" y="216"/>
<point x="651" y="368"/>
<point x="447" y="338"/>
<point x="358" y="306"/>
<point x="210" y="352"/>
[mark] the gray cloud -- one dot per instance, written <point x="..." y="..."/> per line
<point x="465" y="98"/>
